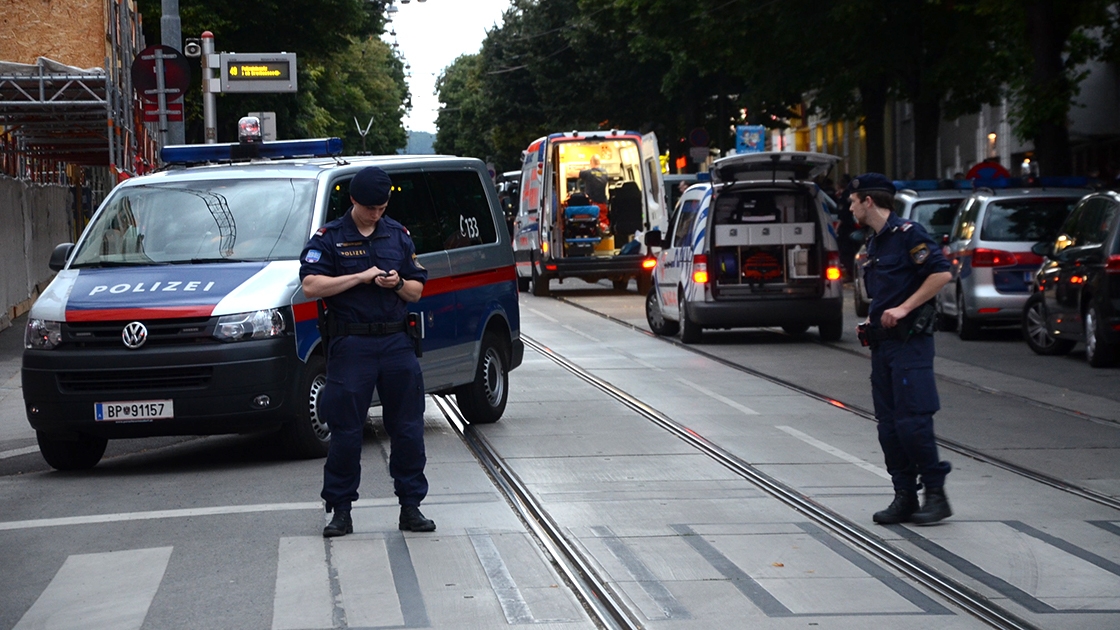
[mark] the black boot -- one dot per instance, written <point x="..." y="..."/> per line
<point x="340" y="525"/>
<point x="413" y="521"/>
<point x="936" y="508"/>
<point x="899" y="511"/>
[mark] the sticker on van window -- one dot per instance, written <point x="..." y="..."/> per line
<point x="313" y="256"/>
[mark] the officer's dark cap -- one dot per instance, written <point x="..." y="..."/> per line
<point x="371" y="186"/>
<point x="871" y="181"/>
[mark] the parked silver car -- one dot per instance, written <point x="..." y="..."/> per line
<point x="933" y="207"/>
<point x="990" y="252"/>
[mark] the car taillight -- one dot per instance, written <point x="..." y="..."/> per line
<point x="1112" y="265"/>
<point x="993" y="258"/>
<point x="832" y="271"/>
<point x="700" y="269"/>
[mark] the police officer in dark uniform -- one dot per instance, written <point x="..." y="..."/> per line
<point x="904" y="271"/>
<point x="364" y="266"/>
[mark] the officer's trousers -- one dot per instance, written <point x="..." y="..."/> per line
<point x="356" y="365"/>
<point x="905" y="396"/>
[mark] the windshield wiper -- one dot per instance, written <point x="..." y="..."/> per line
<point x="198" y="261"/>
<point x="114" y="263"/>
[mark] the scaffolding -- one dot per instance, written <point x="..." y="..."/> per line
<point x="59" y="122"/>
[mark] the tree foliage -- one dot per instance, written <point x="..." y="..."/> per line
<point x="344" y="70"/>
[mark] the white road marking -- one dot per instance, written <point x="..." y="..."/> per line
<point x="540" y="314"/>
<point x="513" y="603"/>
<point x="723" y="399"/>
<point x="581" y="333"/>
<point x="832" y="450"/>
<point x="369" y="594"/>
<point x="108" y="591"/>
<point x="303" y="588"/>
<point x="19" y="451"/>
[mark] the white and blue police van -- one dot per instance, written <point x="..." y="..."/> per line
<point x="179" y="311"/>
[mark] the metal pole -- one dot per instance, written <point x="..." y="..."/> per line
<point x="171" y="34"/>
<point x="209" y="102"/>
<point x="161" y="98"/>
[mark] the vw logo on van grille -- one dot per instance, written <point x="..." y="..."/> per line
<point x="134" y="335"/>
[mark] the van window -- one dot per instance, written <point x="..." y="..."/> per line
<point x="411" y="204"/>
<point x="686" y="217"/>
<point x="966" y="222"/>
<point x="1025" y="219"/>
<point x="253" y="219"/>
<point x="763" y="206"/>
<point x="935" y="216"/>
<point x="462" y="208"/>
<point x="1095" y="220"/>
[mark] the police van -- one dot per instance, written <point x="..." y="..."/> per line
<point x="179" y="310"/>
<point x="755" y="247"/>
<point x="560" y="233"/>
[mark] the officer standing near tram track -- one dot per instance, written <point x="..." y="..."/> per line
<point x="364" y="267"/>
<point x="904" y="271"/>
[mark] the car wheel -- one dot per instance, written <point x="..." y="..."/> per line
<point x="645" y="282"/>
<point x="967" y="328"/>
<point x="691" y="332"/>
<point x="1037" y="333"/>
<point x="831" y="331"/>
<point x="540" y="285"/>
<point x="621" y="285"/>
<point x="1100" y="354"/>
<point x="307" y="435"/>
<point x="63" y="454"/>
<point x="795" y="329"/>
<point x="522" y="284"/>
<point x="861" y="306"/>
<point x="657" y="322"/>
<point x="483" y="401"/>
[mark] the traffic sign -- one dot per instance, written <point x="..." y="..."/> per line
<point x="267" y="72"/>
<point x="698" y="137"/>
<point x="176" y="73"/>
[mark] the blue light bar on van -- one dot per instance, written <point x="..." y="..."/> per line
<point x="704" y="176"/>
<point x="199" y="153"/>
<point x="933" y="184"/>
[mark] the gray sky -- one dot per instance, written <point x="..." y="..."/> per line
<point x="432" y="35"/>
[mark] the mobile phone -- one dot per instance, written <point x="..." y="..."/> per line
<point x="385" y="274"/>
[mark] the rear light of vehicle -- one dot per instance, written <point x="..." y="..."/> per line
<point x="550" y="267"/>
<point x="988" y="311"/>
<point x="700" y="269"/>
<point x="832" y="271"/>
<point x="1112" y="265"/>
<point x="649" y="263"/>
<point x="993" y="258"/>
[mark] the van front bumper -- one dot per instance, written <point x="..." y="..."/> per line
<point x="766" y="312"/>
<point x="215" y="388"/>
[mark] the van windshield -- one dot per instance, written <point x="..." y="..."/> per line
<point x="200" y="221"/>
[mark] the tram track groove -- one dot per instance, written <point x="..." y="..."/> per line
<point x="1029" y="473"/>
<point x="965" y="598"/>
<point x="603" y="604"/>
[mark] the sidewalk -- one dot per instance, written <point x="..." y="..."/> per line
<point x="13" y="421"/>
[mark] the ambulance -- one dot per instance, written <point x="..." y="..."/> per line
<point x="179" y="310"/>
<point x="561" y="233"/>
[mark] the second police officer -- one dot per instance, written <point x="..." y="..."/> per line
<point x="904" y="271"/>
<point x="364" y="267"/>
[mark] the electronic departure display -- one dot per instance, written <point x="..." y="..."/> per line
<point x="257" y="72"/>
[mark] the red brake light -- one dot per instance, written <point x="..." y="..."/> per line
<point x="993" y="258"/>
<point x="832" y="272"/>
<point x="1112" y="265"/>
<point x="700" y="269"/>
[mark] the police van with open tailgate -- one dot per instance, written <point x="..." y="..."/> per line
<point x="179" y="310"/>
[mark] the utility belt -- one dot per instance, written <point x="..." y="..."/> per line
<point x="920" y="322"/>
<point x="339" y="329"/>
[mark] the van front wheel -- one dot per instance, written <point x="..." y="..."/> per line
<point x="307" y="436"/>
<point x="483" y="401"/>
<point x="79" y="454"/>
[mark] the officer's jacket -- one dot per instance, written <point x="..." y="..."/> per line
<point x="339" y="249"/>
<point x="899" y="259"/>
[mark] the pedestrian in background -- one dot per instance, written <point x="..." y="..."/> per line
<point x="904" y="271"/>
<point x="364" y="267"/>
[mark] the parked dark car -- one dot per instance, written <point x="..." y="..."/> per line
<point x="1076" y="294"/>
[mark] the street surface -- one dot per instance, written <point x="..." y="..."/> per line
<point x="219" y="532"/>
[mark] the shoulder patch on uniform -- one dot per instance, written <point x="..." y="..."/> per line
<point x="321" y="231"/>
<point x="416" y="263"/>
<point x="406" y="231"/>
<point x="920" y="253"/>
<point x="907" y="226"/>
<point x="313" y="256"/>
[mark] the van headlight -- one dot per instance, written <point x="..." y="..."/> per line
<point x="263" y="324"/>
<point x="42" y="334"/>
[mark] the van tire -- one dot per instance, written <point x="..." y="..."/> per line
<point x="621" y="284"/>
<point x="522" y="284"/>
<point x="857" y="296"/>
<point x="691" y="332"/>
<point x="540" y="284"/>
<point x="794" y="329"/>
<point x="483" y="401"/>
<point x="831" y="331"/>
<point x="79" y="454"/>
<point x="967" y="328"/>
<point x="645" y="282"/>
<point x="307" y="436"/>
<point x="657" y="322"/>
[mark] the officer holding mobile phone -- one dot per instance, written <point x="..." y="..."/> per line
<point x="364" y="267"/>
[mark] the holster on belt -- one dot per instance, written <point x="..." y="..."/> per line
<point x="414" y="326"/>
<point x="921" y="321"/>
<point x="323" y="325"/>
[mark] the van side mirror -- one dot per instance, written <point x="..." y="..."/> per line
<point x="652" y="239"/>
<point x="858" y="235"/>
<point x="59" y="255"/>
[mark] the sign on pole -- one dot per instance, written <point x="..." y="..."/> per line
<point x="750" y="138"/>
<point x="267" y="72"/>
